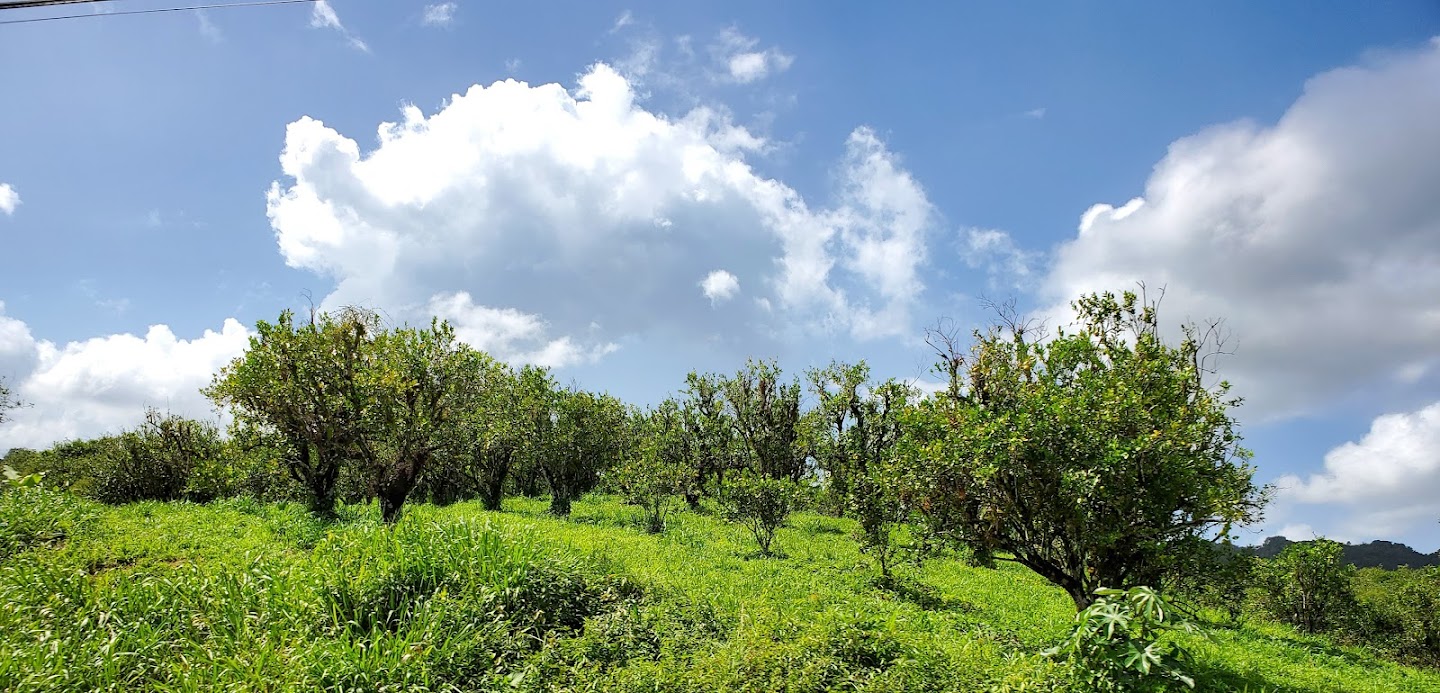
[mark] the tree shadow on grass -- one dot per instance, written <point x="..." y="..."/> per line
<point x="1318" y="645"/>
<point x="757" y="555"/>
<point x="912" y="591"/>
<point x="1213" y="678"/>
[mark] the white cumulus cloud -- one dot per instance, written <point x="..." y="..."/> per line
<point x="511" y="335"/>
<point x="9" y="199"/>
<point x="1387" y="483"/>
<point x="102" y="385"/>
<point x="594" y="216"/>
<point x="1317" y="238"/>
<point x="719" y="286"/>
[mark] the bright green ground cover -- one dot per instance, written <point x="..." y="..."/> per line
<point x="242" y="596"/>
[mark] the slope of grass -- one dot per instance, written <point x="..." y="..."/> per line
<point x="244" y="596"/>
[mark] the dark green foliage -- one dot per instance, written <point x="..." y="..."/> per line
<point x="71" y="465"/>
<point x="356" y="409"/>
<point x="168" y="457"/>
<point x="1218" y="576"/>
<point x="158" y="460"/>
<point x="711" y="442"/>
<point x="1399" y="613"/>
<point x="761" y="504"/>
<point x="855" y="428"/>
<point x="1307" y="586"/>
<point x="413" y="382"/>
<point x="1116" y="644"/>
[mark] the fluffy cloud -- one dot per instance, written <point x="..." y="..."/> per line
<point x="510" y="335"/>
<point x="100" y="385"/>
<point x="322" y="16"/>
<point x="1389" y="481"/>
<point x="742" y="62"/>
<point x="1317" y="238"/>
<point x="440" y="14"/>
<point x="9" y="199"/>
<point x="719" y="286"/>
<point x="593" y="216"/>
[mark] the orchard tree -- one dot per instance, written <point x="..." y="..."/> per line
<point x="655" y="472"/>
<point x="539" y="394"/>
<point x="766" y="415"/>
<point x="709" y="440"/>
<point x="412" y="379"/>
<point x="761" y="504"/>
<point x="497" y="423"/>
<point x="862" y="424"/>
<point x="1309" y="585"/>
<point x="838" y="391"/>
<point x="308" y="384"/>
<point x="1097" y="458"/>
<point x="585" y="436"/>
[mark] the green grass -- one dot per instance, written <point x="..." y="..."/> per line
<point x="244" y="596"/>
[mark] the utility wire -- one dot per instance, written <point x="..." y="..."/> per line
<point x="22" y="4"/>
<point x="258" y="3"/>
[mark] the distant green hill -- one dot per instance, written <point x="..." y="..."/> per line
<point x="1376" y="554"/>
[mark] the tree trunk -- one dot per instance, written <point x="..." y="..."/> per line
<point x="390" y="505"/>
<point x="322" y="503"/>
<point x="492" y="494"/>
<point x="560" y="504"/>
<point x="393" y="491"/>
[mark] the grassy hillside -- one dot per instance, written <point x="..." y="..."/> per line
<point x="244" y="596"/>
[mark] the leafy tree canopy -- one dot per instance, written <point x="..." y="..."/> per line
<point x="1097" y="459"/>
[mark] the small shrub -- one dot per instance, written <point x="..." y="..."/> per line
<point x="655" y="485"/>
<point x="761" y="504"/>
<point x="881" y="513"/>
<point x="1308" y="586"/>
<point x="1116" y="645"/>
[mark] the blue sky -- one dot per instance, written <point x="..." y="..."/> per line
<point x="671" y="186"/>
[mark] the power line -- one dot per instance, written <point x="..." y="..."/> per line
<point x="22" y="4"/>
<point x="259" y="3"/>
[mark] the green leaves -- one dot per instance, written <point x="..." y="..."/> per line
<point x="761" y="504"/>
<point x="1308" y="585"/>
<point x="1116" y="644"/>
<point x="342" y="389"/>
<point x="655" y="471"/>
<point x="1094" y="457"/>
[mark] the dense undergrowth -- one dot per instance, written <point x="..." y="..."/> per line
<point x="238" y="595"/>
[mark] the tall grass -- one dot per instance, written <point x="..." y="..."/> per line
<point x="240" y="595"/>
